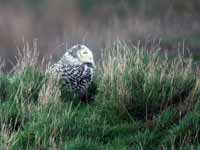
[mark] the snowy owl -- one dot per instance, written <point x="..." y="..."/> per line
<point x="76" y="69"/>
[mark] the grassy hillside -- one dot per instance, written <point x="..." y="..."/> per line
<point x="143" y="100"/>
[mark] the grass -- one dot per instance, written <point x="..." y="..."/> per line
<point x="143" y="100"/>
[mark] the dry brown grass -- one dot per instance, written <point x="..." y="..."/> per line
<point x="26" y="57"/>
<point x="50" y="92"/>
<point x="2" y="64"/>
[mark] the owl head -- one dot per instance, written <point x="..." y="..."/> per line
<point x="80" y="54"/>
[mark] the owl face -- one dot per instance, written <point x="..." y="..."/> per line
<point x="82" y="53"/>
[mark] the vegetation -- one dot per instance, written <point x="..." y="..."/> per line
<point x="144" y="100"/>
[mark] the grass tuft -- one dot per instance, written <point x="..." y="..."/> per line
<point x="143" y="84"/>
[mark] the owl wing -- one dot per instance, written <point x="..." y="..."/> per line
<point x="77" y="77"/>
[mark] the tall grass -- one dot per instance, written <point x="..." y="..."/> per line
<point x="144" y="83"/>
<point x="143" y="100"/>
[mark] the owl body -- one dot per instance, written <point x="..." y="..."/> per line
<point x="76" y="70"/>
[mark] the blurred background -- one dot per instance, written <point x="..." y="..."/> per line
<point x="57" y="24"/>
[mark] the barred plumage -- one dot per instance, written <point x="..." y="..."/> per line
<point x="76" y="68"/>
